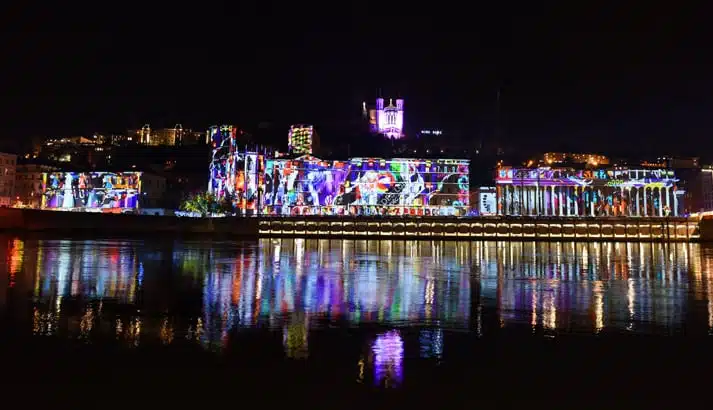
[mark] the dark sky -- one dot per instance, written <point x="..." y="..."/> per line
<point x="606" y="79"/>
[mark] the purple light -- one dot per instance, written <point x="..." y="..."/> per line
<point x="390" y="119"/>
<point x="388" y="351"/>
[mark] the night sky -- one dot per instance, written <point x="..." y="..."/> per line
<point x="618" y="80"/>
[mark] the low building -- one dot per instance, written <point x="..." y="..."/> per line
<point x="484" y="201"/>
<point x="697" y="188"/>
<point x="590" y="192"/>
<point x="28" y="184"/>
<point x="8" y="164"/>
<point x="102" y="191"/>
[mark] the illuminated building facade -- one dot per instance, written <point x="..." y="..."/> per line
<point x="485" y="201"/>
<point x="360" y="186"/>
<point x="302" y="140"/>
<point x="163" y="136"/>
<point x="235" y="174"/>
<point x="8" y="165"/>
<point x="591" y="192"/>
<point x="257" y="182"/>
<point x="28" y="184"/>
<point x="365" y="186"/>
<point x="388" y="120"/>
<point x="100" y="191"/>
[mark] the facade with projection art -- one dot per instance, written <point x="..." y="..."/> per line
<point x="366" y="186"/>
<point x="101" y="191"/>
<point x="254" y="181"/>
<point x="236" y="171"/>
<point x="588" y="192"/>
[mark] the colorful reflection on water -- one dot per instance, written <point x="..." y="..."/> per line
<point x="166" y="292"/>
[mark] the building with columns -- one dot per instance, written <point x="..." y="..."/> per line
<point x="573" y="192"/>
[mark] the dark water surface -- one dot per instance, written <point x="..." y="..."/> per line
<point x="350" y="323"/>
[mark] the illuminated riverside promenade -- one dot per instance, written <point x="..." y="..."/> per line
<point x="673" y="229"/>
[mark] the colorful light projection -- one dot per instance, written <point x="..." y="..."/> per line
<point x="72" y="190"/>
<point x="234" y="173"/>
<point x="366" y="186"/>
<point x="301" y="139"/>
<point x="601" y="192"/>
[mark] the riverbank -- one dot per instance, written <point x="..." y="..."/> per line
<point x="57" y="222"/>
<point x="428" y="228"/>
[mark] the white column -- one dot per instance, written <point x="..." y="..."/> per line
<point x="559" y="199"/>
<point x="511" y="199"/>
<point x="565" y="200"/>
<point x="646" y="208"/>
<point x="591" y="201"/>
<point x="529" y="201"/>
<point x="668" y="194"/>
<point x="638" y="209"/>
<point x="576" y="202"/>
<point x="660" y="203"/>
<point x="621" y="200"/>
<point x="503" y="199"/>
<point x="552" y="201"/>
<point x="675" y="204"/>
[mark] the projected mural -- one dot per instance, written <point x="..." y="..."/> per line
<point x="253" y="180"/>
<point x="366" y="186"/>
<point x="234" y="173"/>
<point x="91" y="190"/>
<point x="224" y="161"/>
<point x="588" y="192"/>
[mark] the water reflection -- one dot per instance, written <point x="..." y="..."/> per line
<point x="431" y="343"/>
<point x="136" y="292"/>
<point x="295" y="335"/>
<point x="388" y="356"/>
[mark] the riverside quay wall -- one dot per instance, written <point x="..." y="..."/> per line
<point x="674" y="229"/>
<point x="498" y="228"/>
<point x="71" y="223"/>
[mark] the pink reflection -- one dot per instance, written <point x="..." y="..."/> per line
<point x="388" y="351"/>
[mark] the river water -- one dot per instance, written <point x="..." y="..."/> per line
<point x="354" y="315"/>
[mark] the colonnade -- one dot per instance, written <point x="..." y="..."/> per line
<point x="652" y="201"/>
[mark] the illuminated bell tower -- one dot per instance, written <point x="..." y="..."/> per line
<point x="390" y="119"/>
